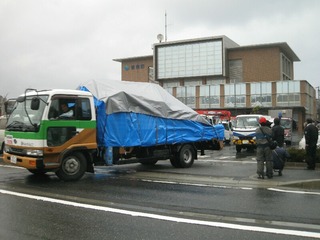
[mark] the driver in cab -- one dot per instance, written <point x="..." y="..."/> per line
<point x="66" y="112"/>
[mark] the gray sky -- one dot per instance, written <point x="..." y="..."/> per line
<point x="63" y="43"/>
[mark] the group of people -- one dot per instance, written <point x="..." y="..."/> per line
<point x="265" y="135"/>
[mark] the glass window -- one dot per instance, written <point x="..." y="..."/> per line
<point x="187" y="60"/>
<point x="288" y="93"/>
<point x="261" y="94"/>
<point x="235" y="95"/>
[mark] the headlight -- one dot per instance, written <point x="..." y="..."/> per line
<point x="235" y="138"/>
<point x="254" y="138"/>
<point x="34" y="152"/>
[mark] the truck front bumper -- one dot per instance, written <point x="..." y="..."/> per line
<point x="23" y="161"/>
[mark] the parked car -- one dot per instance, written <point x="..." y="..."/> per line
<point x="302" y="143"/>
<point x="3" y="121"/>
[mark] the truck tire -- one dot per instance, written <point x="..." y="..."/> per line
<point x="175" y="162"/>
<point x="73" y="167"/>
<point x="186" y="156"/>
<point x="238" y="148"/>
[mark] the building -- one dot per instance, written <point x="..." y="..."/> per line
<point x="217" y="73"/>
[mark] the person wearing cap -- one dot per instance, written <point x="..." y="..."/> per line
<point x="278" y="132"/>
<point x="311" y="137"/>
<point x="264" y="153"/>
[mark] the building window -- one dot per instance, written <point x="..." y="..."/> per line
<point x="150" y="74"/>
<point x="188" y="60"/>
<point x="187" y="95"/>
<point x="193" y="82"/>
<point x="288" y="93"/>
<point x="285" y="67"/>
<point x="171" y="83"/>
<point x="235" y="71"/>
<point x="261" y="94"/>
<point x="209" y="96"/>
<point x="235" y="95"/>
<point x="132" y="67"/>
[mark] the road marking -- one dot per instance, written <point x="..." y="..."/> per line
<point x="195" y="184"/>
<point x="293" y="191"/>
<point x="167" y="218"/>
<point x="225" y="161"/>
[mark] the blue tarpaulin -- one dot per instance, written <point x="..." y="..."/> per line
<point x="144" y="114"/>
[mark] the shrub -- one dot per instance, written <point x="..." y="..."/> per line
<point x="299" y="155"/>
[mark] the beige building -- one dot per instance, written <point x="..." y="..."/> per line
<point x="216" y="73"/>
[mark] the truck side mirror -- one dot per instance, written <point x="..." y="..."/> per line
<point x="35" y="103"/>
<point x="6" y="108"/>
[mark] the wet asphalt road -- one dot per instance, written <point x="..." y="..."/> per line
<point x="159" y="202"/>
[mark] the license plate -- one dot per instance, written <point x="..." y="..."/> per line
<point x="13" y="159"/>
<point x="245" y="141"/>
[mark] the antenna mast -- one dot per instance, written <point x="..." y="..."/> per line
<point x="165" y="26"/>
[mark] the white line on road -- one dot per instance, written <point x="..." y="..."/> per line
<point x="196" y="184"/>
<point x="293" y="191"/>
<point x="167" y="218"/>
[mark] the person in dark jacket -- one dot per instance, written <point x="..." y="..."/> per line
<point x="279" y="155"/>
<point x="311" y="137"/>
<point x="278" y="132"/>
<point x="264" y="154"/>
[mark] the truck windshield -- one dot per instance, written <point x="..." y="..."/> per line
<point x="247" y="122"/>
<point x="23" y="118"/>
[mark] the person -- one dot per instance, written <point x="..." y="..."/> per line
<point x="311" y="137"/>
<point x="279" y="157"/>
<point x="278" y="132"/>
<point x="66" y="112"/>
<point x="264" y="154"/>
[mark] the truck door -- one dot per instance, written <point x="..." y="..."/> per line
<point x="66" y="115"/>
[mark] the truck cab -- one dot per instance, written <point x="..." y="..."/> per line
<point x="244" y="131"/>
<point x="40" y="138"/>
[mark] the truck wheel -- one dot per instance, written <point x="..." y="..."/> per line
<point x="72" y="168"/>
<point x="238" y="148"/>
<point x="186" y="156"/>
<point x="175" y="162"/>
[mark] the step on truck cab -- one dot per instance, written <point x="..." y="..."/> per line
<point x="71" y="131"/>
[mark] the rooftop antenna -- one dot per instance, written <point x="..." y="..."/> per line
<point x="165" y="26"/>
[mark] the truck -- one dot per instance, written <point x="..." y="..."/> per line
<point x="287" y="124"/>
<point x="244" y="131"/>
<point x="112" y="122"/>
<point x="286" y="121"/>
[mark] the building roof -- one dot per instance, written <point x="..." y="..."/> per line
<point x="223" y="37"/>
<point x="282" y="45"/>
<point x="132" y="58"/>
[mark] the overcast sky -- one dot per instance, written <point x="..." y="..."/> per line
<point x="63" y="43"/>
